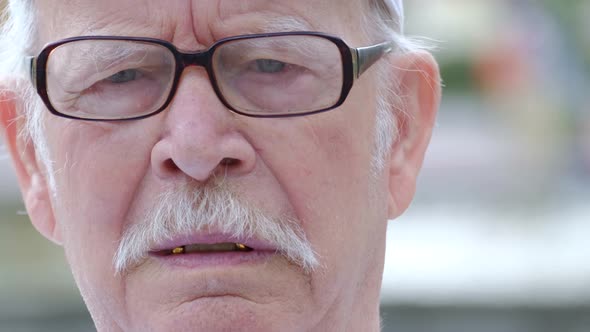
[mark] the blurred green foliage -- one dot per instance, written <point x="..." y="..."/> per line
<point x="457" y="76"/>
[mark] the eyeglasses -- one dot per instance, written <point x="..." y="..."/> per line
<point x="105" y="78"/>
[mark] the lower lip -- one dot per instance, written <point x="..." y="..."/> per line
<point x="233" y="258"/>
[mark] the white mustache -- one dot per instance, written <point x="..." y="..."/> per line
<point x="193" y="208"/>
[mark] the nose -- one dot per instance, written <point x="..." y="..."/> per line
<point x="201" y="137"/>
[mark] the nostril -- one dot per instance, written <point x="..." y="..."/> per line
<point x="229" y="162"/>
<point x="170" y="166"/>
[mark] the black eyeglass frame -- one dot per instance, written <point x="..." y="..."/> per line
<point x="355" y="61"/>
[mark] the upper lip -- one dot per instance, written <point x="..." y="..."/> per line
<point x="211" y="238"/>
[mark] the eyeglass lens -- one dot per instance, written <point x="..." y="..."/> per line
<point x="118" y="79"/>
<point x="106" y="79"/>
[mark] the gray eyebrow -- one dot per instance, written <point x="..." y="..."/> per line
<point x="286" y="24"/>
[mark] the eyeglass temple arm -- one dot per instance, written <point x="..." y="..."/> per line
<point x="367" y="56"/>
<point x="31" y="63"/>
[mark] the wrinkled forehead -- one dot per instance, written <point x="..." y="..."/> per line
<point x="207" y="20"/>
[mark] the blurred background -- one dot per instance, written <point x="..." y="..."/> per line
<point x="497" y="238"/>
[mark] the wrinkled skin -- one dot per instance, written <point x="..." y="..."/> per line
<point x="317" y="168"/>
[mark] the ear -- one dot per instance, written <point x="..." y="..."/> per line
<point x="419" y="92"/>
<point x="32" y="180"/>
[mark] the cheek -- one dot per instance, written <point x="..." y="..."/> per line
<point x="97" y="172"/>
<point x="330" y="163"/>
<point x="338" y="180"/>
<point x="326" y="175"/>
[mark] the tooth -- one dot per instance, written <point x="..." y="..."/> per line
<point x="178" y="251"/>
<point x="242" y="247"/>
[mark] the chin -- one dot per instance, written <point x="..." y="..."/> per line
<point x="219" y="313"/>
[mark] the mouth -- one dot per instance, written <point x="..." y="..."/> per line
<point x="200" y="250"/>
<point x="204" y="248"/>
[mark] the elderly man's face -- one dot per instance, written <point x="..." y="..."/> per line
<point x="316" y="171"/>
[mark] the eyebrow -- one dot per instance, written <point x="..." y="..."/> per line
<point x="285" y="24"/>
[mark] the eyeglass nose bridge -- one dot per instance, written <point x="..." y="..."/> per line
<point x="202" y="59"/>
<point x="199" y="58"/>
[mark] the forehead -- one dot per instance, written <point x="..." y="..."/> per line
<point x="205" y="20"/>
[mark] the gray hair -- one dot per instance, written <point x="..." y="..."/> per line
<point x="17" y="40"/>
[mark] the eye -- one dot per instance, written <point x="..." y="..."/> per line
<point x="269" y="66"/>
<point x="124" y="76"/>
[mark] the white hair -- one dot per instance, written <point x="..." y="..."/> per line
<point x="384" y="21"/>
<point x="16" y="42"/>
